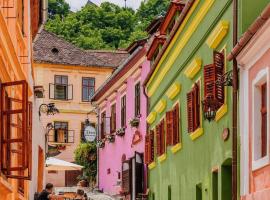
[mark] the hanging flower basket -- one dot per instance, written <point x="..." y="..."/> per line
<point x="134" y="122"/>
<point x="121" y="132"/>
<point x="100" y="143"/>
<point x="110" y="138"/>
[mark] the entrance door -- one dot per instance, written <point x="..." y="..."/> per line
<point x="71" y="178"/>
<point x="226" y="178"/>
<point x="126" y="176"/>
<point x="137" y="175"/>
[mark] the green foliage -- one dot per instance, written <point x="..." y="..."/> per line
<point x="58" y="7"/>
<point x="86" y="155"/>
<point x="107" y="26"/>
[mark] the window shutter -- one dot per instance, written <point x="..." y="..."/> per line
<point x="162" y="137"/>
<point x="219" y="66"/>
<point x="196" y="93"/>
<point x="70" y="92"/>
<point x="147" y="152"/>
<point x="169" y="127"/>
<point x="209" y="81"/>
<point x="126" y="176"/>
<point x="16" y="130"/>
<point x="176" y="122"/>
<point x="152" y="146"/>
<point x="190" y="111"/>
<point x="158" y="139"/>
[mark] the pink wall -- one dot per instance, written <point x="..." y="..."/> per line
<point x="110" y="157"/>
<point x="259" y="179"/>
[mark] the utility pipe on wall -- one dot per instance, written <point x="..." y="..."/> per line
<point x="234" y="105"/>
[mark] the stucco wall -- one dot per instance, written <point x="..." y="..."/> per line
<point x="72" y="111"/>
<point x="195" y="164"/>
<point x="110" y="157"/>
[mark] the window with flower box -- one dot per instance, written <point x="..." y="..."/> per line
<point x="193" y="108"/>
<point x="123" y="111"/>
<point x="160" y="135"/>
<point x="172" y="126"/>
<point x="137" y="99"/>
<point x="103" y="125"/>
<point x="113" y="119"/>
<point x="16" y="131"/>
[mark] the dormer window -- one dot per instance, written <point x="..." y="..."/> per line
<point x="155" y="47"/>
<point x="55" y="50"/>
<point x="170" y="19"/>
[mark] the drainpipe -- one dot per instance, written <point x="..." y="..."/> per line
<point x="98" y="124"/>
<point x="147" y="112"/>
<point x="234" y="105"/>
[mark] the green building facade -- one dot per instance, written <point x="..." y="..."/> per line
<point x="198" y="165"/>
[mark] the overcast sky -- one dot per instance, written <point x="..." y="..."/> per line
<point x="77" y="4"/>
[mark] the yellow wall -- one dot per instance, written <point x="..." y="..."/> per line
<point x="72" y="111"/>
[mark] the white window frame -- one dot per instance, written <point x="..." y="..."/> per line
<point x="261" y="78"/>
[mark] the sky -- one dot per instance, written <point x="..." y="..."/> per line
<point x="77" y="4"/>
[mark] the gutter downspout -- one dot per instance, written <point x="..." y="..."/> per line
<point x="234" y="106"/>
<point x="147" y="112"/>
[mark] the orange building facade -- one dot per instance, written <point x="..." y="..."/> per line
<point x="21" y="137"/>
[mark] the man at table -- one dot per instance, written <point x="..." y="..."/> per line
<point x="47" y="194"/>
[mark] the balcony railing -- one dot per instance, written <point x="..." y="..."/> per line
<point x="60" y="91"/>
<point x="61" y="136"/>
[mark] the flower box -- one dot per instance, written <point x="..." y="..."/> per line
<point x="121" y="132"/>
<point x="134" y="122"/>
<point x="110" y="138"/>
<point x="100" y="143"/>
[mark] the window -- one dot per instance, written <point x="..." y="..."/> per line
<point x="61" y="132"/>
<point x="113" y="118"/>
<point x="212" y="73"/>
<point x="160" y="134"/>
<point x="88" y="88"/>
<point x="264" y="119"/>
<point x="61" y="87"/>
<point x="149" y="148"/>
<point x="137" y="99"/>
<point x="193" y="108"/>
<point x="172" y="126"/>
<point x="103" y="125"/>
<point x="21" y="14"/>
<point x="123" y="111"/>
<point x="126" y="176"/>
<point x="16" y="117"/>
<point x="260" y="119"/>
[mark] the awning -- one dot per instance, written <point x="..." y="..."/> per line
<point x="61" y="165"/>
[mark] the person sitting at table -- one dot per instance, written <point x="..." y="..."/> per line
<point x="80" y="195"/>
<point x="47" y="193"/>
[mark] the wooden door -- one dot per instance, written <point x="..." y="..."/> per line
<point x="71" y="178"/>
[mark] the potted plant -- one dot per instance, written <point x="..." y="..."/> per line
<point x="100" y="143"/>
<point x="121" y="132"/>
<point x="60" y="147"/>
<point x="110" y="138"/>
<point x="134" y="122"/>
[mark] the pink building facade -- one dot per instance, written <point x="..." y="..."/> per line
<point x="121" y="100"/>
<point x="254" y="63"/>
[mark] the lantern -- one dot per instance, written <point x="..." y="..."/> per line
<point x="210" y="107"/>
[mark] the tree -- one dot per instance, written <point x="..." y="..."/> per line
<point x="58" y="7"/>
<point x="107" y="26"/>
<point x="86" y="155"/>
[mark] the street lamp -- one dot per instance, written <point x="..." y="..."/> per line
<point x="210" y="106"/>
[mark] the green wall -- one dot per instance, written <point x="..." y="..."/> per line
<point x="189" y="171"/>
<point x="249" y="10"/>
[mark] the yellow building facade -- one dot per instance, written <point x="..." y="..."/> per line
<point x="69" y="76"/>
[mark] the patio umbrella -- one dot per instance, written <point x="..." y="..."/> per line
<point x="61" y="165"/>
